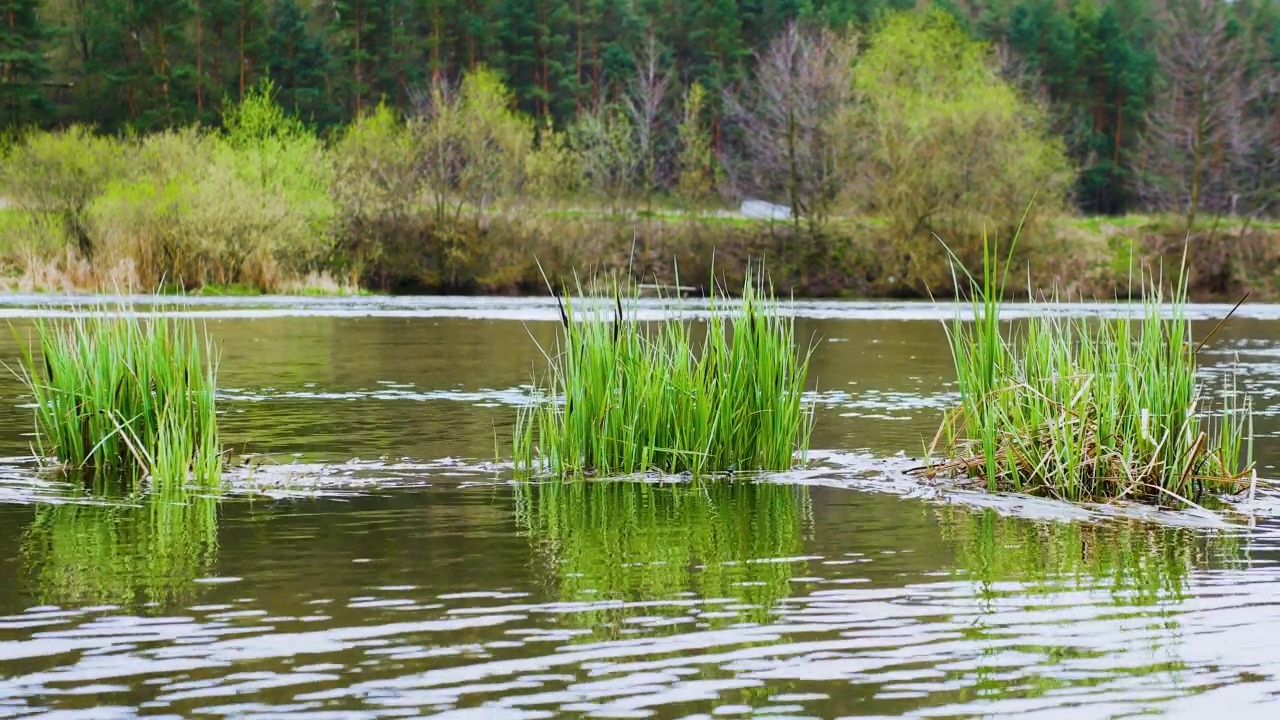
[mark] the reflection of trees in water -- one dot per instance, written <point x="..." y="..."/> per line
<point x="633" y="541"/>
<point x="148" y="551"/>
<point x="1141" y="563"/>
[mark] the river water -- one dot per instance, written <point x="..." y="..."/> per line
<point x="373" y="559"/>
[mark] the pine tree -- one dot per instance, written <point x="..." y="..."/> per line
<point x="715" y="48"/>
<point x="441" y="34"/>
<point x="298" y="64"/>
<point x="96" y="64"/>
<point x="398" y="43"/>
<point x="1094" y="65"/>
<point x="483" y="24"/>
<point x="537" y="59"/>
<point x="137" y="56"/>
<point x="762" y="18"/>
<point x="22" y="66"/>
<point x="230" y="39"/>
<point x="353" y="30"/>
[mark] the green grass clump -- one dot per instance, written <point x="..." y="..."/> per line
<point x="1090" y="409"/>
<point x="626" y="397"/>
<point x="119" y="397"/>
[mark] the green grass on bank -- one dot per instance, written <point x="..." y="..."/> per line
<point x="626" y="397"/>
<point x="1090" y="409"/>
<point x="852" y="256"/>
<point x="122" y="398"/>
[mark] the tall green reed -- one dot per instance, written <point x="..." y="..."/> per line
<point x="1089" y="409"/>
<point x="626" y="397"/>
<point x="123" y="398"/>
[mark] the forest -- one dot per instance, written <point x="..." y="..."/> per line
<point x="457" y="136"/>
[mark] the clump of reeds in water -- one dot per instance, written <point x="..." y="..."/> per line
<point x="123" y="398"/>
<point x="627" y="397"/>
<point x="1090" y="409"/>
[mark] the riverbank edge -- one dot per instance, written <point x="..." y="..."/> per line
<point x="846" y="258"/>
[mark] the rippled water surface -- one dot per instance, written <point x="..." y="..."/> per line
<point x="373" y="559"/>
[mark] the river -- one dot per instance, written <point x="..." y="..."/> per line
<point x="372" y="557"/>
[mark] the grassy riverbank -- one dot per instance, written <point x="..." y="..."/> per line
<point x="1082" y="256"/>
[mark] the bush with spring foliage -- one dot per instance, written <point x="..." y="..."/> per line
<point x="248" y="207"/>
<point x="54" y="177"/>
<point x="378" y="190"/>
<point x="624" y="398"/>
<point x="942" y="144"/>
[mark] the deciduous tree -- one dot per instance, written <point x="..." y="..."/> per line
<point x="1200" y="133"/>
<point x="944" y="147"/>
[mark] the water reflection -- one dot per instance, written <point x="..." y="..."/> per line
<point x="1107" y="602"/>
<point x="145" y="552"/>
<point x="621" y="546"/>
<point x="1139" y="563"/>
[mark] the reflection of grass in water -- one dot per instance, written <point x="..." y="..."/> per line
<point x="121" y="554"/>
<point x="1144" y="566"/>
<point x="635" y="541"/>
<point x="1141" y="563"/>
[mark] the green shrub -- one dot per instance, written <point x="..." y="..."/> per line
<point x="143" y="219"/>
<point x="608" y="160"/>
<point x="286" y="167"/>
<point x="474" y="154"/>
<point x="58" y="175"/>
<point x="378" y="190"/>
<point x="551" y="170"/>
<point x="942" y="145"/>
<point x="251" y="207"/>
